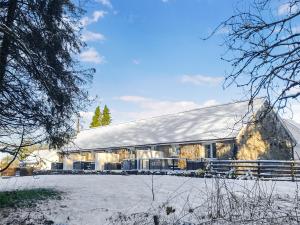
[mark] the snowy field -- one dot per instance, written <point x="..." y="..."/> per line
<point x="92" y="199"/>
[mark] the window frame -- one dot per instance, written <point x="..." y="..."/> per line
<point x="211" y="152"/>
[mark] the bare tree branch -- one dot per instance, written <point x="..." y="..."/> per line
<point x="15" y="154"/>
<point x="264" y="51"/>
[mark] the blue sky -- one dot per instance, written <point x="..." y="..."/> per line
<point x="150" y="58"/>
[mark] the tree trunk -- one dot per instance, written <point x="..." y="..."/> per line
<point x="6" y="41"/>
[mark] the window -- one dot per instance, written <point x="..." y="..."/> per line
<point x="174" y="150"/>
<point x="210" y="150"/>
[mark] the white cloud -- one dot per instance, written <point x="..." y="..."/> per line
<point x="85" y="119"/>
<point x="106" y="3"/>
<point x="136" y="61"/>
<point x="201" y="80"/>
<point x="97" y="15"/>
<point x="149" y="107"/>
<point x="92" y="56"/>
<point x="132" y="98"/>
<point x="92" y="36"/>
<point x="84" y="21"/>
<point x="287" y="8"/>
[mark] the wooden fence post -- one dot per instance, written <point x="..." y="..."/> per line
<point x="234" y="170"/>
<point x="258" y="169"/>
<point x="293" y="171"/>
<point x="173" y="162"/>
<point x="186" y="168"/>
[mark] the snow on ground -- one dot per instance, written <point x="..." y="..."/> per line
<point x="91" y="199"/>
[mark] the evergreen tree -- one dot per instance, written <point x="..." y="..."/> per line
<point x="97" y="118"/>
<point x="42" y="85"/>
<point x="106" y="119"/>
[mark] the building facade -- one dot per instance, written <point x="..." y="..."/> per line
<point x="228" y="131"/>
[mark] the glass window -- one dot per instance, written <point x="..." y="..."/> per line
<point x="207" y="151"/>
<point x="210" y="150"/>
<point x="214" y="150"/>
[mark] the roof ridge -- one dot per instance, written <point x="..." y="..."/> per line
<point x="169" y="114"/>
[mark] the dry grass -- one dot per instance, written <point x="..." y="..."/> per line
<point x="223" y="204"/>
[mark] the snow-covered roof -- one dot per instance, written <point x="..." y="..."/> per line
<point x="202" y="124"/>
<point x="294" y="129"/>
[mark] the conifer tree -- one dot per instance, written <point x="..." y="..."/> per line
<point x="97" y="118"/>
<point x="106" y="119"/>
<point x="42" y="84"/>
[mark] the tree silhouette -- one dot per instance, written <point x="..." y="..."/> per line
<point x="263" y="48"/>
<point x="42" y="86"/>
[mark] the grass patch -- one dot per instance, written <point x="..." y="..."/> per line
<point x="27" y="197"/>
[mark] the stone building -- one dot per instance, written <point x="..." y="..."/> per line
<point x="227" y="131"/>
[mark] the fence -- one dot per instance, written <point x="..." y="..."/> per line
<point x="155" y="164"/>
<point x="139" y="164"/>
<point x="82" y="165"/>
<point x="159" y="164"/>
<point x="266" y="169"/>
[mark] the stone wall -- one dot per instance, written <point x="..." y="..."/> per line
<point x="194" y="151"/>
<point x="124" y="154"/>
<point x="87" y="156"/>
<point x="265" y="138"/>
<point x="225" y="150"/>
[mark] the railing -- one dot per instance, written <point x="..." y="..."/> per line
<point x="83" y="165"/>
<point x="163" y="164"/>
<point x="266" y="169"/>
<point x="160" y="164"/>
<point x="57" y="166"/>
